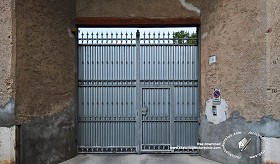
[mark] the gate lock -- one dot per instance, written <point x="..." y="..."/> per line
<point x="144" y="111"/>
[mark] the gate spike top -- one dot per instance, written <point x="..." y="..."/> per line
<point x="121" y="37"/>
<point x="97" y="37"/>
<point x="168" y="36"/>
<point x="158" y="37"/>
<point x="126" y="37"/>
<point x="131" y="36"/>
<point x="82" y="34"/>
<point x="87" y="36"/>
<point x="154" y="37"/>
<point x="144" y="37"/>
<point x="92" y="37"/>
<point x="101" y="37"/>
<point x="106" y="37"/>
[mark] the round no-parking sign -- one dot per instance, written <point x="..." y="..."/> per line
<point x="217" y="94"/>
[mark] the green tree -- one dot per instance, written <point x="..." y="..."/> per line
<point x="184" y="37"/>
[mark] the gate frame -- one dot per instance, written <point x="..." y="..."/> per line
<point x="114" y="22"/>
<point x="171" y="115"/>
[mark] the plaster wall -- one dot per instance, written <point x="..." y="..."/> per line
<point x="273" y="58"/>
<point x="235" y="31"/>
<point x="239" y="34"/>
<point x="46" y="75"/>
<point x="6" y="48"/>
<point x="7" y="103"/>
<point x="7" y="144"/>
<point x="134" y="8"/>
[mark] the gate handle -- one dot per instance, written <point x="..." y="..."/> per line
<point x="144" y="111"/>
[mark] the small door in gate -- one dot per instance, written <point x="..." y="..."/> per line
<point x="156" y="119"/>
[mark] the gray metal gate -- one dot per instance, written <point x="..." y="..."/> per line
<point x="137" y="94"/>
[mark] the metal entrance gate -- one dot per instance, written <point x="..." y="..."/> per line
<point x="137" y="94"/>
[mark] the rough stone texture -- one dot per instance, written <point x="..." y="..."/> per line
<point x="133" y="8"/>
<point x="46" y="80"/>
<point x="7" y="144"/>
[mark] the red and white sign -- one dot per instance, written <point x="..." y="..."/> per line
<point x="216" y="96"/>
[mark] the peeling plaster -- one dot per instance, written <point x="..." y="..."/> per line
<point x="7" y="115"/>
<point x="71" y="35"/>
<point x="189" y="6"/>
<point x="222" y="112"/>
<point x="204" y="35"/>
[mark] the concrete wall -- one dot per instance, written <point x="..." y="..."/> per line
<point x="46" y="73"/>
<point x="7" y="103"/>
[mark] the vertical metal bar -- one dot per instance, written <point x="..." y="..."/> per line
<point x="155" y="112"/>
<point x="198" y="67"/>
<point x="90" y="96"/>
<point x="138" y="94"/>
<point x="113" y="114"/>
<point x="172" y="108"/>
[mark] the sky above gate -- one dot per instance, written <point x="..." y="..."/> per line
<point x="133" y="30"/>
<point x="154" y="33"/>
